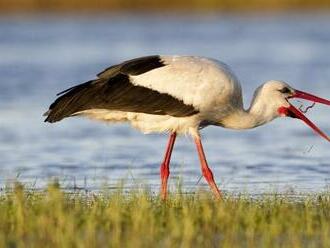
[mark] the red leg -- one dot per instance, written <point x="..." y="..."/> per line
<point x="165" y="166"/>
<point x="207" y="173"/>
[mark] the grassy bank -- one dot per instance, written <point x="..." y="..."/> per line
<point x="159" y="5"/>
<point x="140" y="219"/>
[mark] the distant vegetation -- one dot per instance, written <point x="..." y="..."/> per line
<point x="140" y="219"/>
<point x="159" y="5"/>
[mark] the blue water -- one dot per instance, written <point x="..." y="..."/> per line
<point x="40" y="56"/>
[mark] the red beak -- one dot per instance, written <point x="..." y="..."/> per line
<point x="295" y="113"/>
<point x="310" y="97"/>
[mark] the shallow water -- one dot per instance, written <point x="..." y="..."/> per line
<point x="41" y="56"/>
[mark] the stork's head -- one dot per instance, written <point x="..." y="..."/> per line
<point x="273" y="99"/>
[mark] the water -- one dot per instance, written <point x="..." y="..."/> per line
<point x="41" y="56"/>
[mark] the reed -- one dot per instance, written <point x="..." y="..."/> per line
<point x="53" y="218"/>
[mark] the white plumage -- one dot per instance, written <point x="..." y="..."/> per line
<point x="179" y="95"/>
<point x="187" y="78"/>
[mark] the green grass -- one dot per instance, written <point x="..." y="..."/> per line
<point x="140" y="219"/>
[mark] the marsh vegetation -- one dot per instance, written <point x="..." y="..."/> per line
<point x="140" y="219"/>
<point x="160" y="6"/>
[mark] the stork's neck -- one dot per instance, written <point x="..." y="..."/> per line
<point x="242" y="119"/>
<point x="258" y="114"/>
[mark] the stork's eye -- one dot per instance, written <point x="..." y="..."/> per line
<point x="285" y="90"/>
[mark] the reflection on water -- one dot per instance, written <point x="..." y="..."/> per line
<point x="42" y="56"/>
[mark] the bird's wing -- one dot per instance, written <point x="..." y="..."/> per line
<point x="203" y="83"/>
<point x="113" y="90"/>
<point x="133" y="67"/>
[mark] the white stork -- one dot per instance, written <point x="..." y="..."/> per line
<point x="178" y="95"/>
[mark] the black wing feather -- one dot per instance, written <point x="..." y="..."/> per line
<point x="133" y="67"/>
<point x="114" y="91"/>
